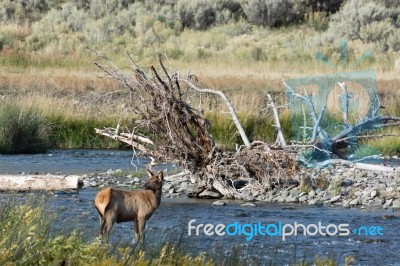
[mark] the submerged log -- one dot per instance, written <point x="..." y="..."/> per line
<point x="38" y="182"/>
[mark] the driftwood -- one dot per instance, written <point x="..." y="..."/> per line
<point x="357" y="165"/>
<point x="38" y="182"/>
<point x="280" y="139"/>
<point x="167" y="128"/>
<point x="326" y="144"/>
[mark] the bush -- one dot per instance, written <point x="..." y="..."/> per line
<point x="27" y="239"/>
<point x="370" y="21"/>
<point x="273" y="13"/>
<point x="201" y="14"/>
<point x="22" y="130"/>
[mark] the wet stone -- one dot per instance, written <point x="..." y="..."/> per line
<point x="219" y="203"/>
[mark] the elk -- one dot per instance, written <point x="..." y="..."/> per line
<point x="119" y="206"/>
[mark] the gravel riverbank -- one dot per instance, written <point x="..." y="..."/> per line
<point x="343" y="187"/>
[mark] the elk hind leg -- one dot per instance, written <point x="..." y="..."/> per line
<point x="106" y="227"/>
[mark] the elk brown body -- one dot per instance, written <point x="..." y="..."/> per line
<point x="115" y="205"/>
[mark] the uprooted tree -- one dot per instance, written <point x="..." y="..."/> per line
<point x="165" y="127"/>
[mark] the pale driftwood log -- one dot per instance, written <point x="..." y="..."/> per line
<point x="345" y="112"/>
<point x="280" y="139"/>
<point x="235" y="119"/>
<point x="38" y="182"/>
<point x="360" y="166"/>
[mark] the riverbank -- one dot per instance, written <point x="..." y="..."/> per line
<point x="335" y="186"/>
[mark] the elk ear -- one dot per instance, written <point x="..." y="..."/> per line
<point x="149" y="173"/>
<point x="161" y="176"/>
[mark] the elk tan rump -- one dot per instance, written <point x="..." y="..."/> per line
<point x="102" y="200"/>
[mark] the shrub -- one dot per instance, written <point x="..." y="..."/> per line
<point x="370" y="21"/>
<point x="201" y="14"/>
<point x="25" y="10"/>
<point x="273" y="13"/>
<point x="22" y="130"/>
<point x="324" y="6"/>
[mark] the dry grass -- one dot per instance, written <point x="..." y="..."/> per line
<point x="243" y="66"/>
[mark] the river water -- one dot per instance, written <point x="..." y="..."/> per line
<point x="76" y="211"/>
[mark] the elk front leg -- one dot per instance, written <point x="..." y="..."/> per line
<point x="141" y="225"/>
<point x="136" y="226"/>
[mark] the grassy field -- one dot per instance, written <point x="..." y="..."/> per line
<point x="59" y="79"/>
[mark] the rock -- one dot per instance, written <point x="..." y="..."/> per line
<point x="302" y="194"/>
<point x="208" y="194"/>
<point x="311" y="194"/>
<point x="396" y="204"/>
<point x="279" y="199"/>
<point x="358" y="193"/>
<point x="260" y="198"/>
<point x="190" y="187"/>
<point x="219" y="203"/>
<point x="136" y="180"/>
<point x="294" y="193"/>
<point x="354" y="202"/>
<point x="167" y="187"/>
<point x="183" y="187"/>
<point x="248" y="205"/>
<point x="398" y="172"/>
<point x="245" y="194"/>
<point x="110" y="172"/>
<point x="249" y="199"/>
<point x="285" y="193"/>
<point x="335" y="198"/>
<point x="303" y="198"/>
<point x="268" y="199"/>
<point x="374" y="193"/>
<point x="314" y="202"/>
<point x="292" y="199"/>
<point x="390" y="189"/>
<point x="346" y="204"/>
<point x="388" y="203"/>
<point x="387" y="217"/>
<point x="171" y="191"/>
<point x="118" y="171"/>
<point x="327" y="197"/>
<point x="346" y="182"/>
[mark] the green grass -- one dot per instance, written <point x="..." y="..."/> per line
<point x="27" y="130"/>
<point x="79" y="132"/>
<point x="256" y="127"/>
<point x="23" y="130"/>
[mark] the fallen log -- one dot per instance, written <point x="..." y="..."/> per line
<point x="38" y="182"/>
<point x="357" y="165"/>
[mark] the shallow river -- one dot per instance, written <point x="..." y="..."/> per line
<point x="172" y="218"/>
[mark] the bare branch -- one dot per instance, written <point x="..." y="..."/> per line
<point x="228" y="104"/>
<point x="280" y="139"/>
